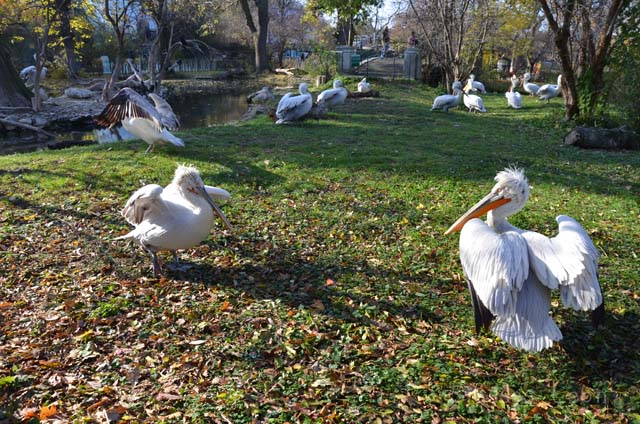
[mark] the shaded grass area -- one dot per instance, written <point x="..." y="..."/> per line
<point x="336" y="298"/>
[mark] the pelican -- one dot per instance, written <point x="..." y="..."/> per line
<point x="514" y="81"/>
<point x="263" y="95"/>
<point x="140" y="118"/>
<point x="447" y="101"/>
<point x="28" y="74"/>
<point x="333" y="96"/>
<point x="471" y="101"/>
<point x="549" y="91"/>
<point x="364" y="86"/>
<point x="475" y="85"/>
<point x="529" y="87"/>
<point x="291" y="108"/>
<point x="511" y="272"/>
<point x="177" y="217"/>
<point x="169" y="118"/>
<point x="514" y="99"/>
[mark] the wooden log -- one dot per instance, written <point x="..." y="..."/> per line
<point x="358" y="95"/>
<point x="26" y="126"/>
<point x="602" y="138"/>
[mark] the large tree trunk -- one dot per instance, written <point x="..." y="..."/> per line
<point x="258" y="32"/>
<point x="68" y="41"/>
<point x="13" y="92"/>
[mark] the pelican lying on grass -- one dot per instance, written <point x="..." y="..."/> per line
<point x="141" y="118"/>
<point x="291" y="108"/>
<point x="263" y="95"/>
<point x="364" y="86"/>
<point x="511" y="272"/>
<point x="514" y="99"/>
<point x="177" y="217"/>
<point x="447" y="101"/>
<point x="333" y="96"/>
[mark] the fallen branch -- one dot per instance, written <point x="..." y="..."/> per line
<point x="288" y="71"/>
<point x="26" y="126"/>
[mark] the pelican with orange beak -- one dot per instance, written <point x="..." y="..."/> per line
<point x="511" y="272"/>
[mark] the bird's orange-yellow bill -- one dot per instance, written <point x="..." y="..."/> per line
<point x="489" y="202"/>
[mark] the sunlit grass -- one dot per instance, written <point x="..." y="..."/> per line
<point x="337" y="298"/>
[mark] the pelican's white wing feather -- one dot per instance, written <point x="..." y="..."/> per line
<point x="568" y="261"/>
<point x="328" y="95"/>
<point x="581" y="290"/>
<point x="146" y="200"/>
<point x="496" y="264"/>
<point x="530" y="328"/>
<point x="289" y="102"/>
<point x="217" y="193"/>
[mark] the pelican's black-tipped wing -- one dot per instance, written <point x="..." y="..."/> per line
<point x="126" y="104"/>
<point x="483" y="316"/>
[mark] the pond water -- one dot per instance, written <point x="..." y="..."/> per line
<point x="194" y="110"/>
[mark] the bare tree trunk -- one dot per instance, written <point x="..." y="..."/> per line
<point x="68" y="41"/>
<point x="259" y="32"/>
<point x="13" y="93"/>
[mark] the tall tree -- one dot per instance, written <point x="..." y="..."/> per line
<point x="259" y="32"/>
<point x="349" y="13"/>
<point x="455" y="32"/>
<point x="593" y="24"/>
<point x="117" y="13"/>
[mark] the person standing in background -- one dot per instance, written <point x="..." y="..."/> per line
<point x="385" y="39"/>
<point x="412" y="41"/>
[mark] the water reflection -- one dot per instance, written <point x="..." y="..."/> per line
<point x="204" y="109"/>
<point x="194" y="110"/>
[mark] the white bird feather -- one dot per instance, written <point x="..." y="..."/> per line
<point x="291" y="108"/>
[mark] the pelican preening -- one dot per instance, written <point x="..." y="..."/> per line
<point x="28" y="74"/>
<point x="511" y="272"/>
<point x="447" y="101"/>
<point x="291" y="108"/>
<point x="263" y="95"/>
<point x="177" y="217"/>
<point x="549" y="91"/>
<point x="529" y="87"/>
<point x="475" y="85"/>
<point x="333" y="96"/>
<point x="471" y="101"/>
<point x="141" y="118"/>
<point x="364" y="86"/>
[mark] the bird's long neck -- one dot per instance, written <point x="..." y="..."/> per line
<point x="498" y="222"/>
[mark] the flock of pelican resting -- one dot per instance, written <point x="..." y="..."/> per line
<point x="474" y="103"/>
<point x="510" y="271"/>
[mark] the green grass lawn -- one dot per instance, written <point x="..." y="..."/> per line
<point x="336" y="298"/>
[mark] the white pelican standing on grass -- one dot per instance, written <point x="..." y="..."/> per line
<point x="364" y="86"/>
<point x="514" y="99"/>
<point x="549" y="91"/>
<point x="141" y="118"/>
<point x="291" y="108"/>
<point x="471" y="101"/>
<point x="511" y="272"/>
<point x="529" y="87"/>
<point x="447" y="101"/>
<point x="177" y="217"/>
<point x="333" y="96"/>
